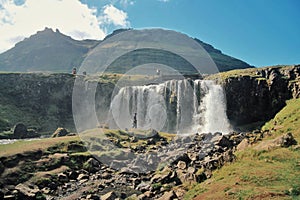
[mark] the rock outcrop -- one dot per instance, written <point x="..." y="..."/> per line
<point x="43" y="101"/>
<point x="258" y="97"/>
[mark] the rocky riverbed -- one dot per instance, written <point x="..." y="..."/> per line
<point x="68" y="171"/>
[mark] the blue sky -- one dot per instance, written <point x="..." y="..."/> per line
<point x="260" y="32"/>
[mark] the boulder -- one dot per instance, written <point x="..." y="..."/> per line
<point x="60" y="132"/>
<point x="20" y="130"/>
<point x="109" y="196"/>
<point x="243" y="145"/>
<point x="27" y="191"/>
<point x="82" y="177"/>
<point x="181" y="164"/>
<point x="286" y="140"/>
<point x="93" y="197"/>
<point x="62" y="177"/>
<point x="168" y="196"/>
<point x="222" y="141"/>
<point x="163" y="177"/>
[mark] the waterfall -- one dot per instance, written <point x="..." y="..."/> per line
<point x="178" y="106"/>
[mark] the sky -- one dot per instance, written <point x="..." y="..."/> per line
<point x="259" y="32"/>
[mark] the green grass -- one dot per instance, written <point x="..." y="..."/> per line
<point x="33" y="145"/>
<point x="251" y="72"/>
<point x="260" y="174"/>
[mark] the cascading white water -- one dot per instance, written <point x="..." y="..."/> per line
<point x="180" y="106"/>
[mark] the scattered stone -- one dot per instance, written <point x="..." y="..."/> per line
<point x="192" y="156"/>
<point x="191" y="170"/>
<point x="93" y="197"/>
<point x="162" y="176"/>
<point x="82" y="177"/>
<point x="73" y="175"/>
<point x="168" y="196"/>
<point x="243" y="145"/>
<point x="93" y="162"/>
<point x="62" y="177"/>
<point x="28" y="191"/>
<point x="180" y="193"/>
<point x="181" y="164"/>
<point x="109" y="196"/>
<point x="222" y="141"/>
<point x="45" y="190"/>
<point x="286" y="140"/>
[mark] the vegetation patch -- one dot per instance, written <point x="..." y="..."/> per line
<point x="260" y="174"/>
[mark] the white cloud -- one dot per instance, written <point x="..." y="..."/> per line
<point x="112" y="15"/>
<point x="71" y="17"/>
<point x="164" y="0"/>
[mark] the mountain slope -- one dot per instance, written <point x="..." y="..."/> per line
<point x="52" y="51"/>
<point x="46" y="51"/>
<point x="261" y="171"/>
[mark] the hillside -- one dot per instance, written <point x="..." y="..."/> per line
<point x="53" y="51"/>
<point x="262" y="170"/>
<point x="46" y="51"/>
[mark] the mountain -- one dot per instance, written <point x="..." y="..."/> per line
<point x="50" y="50"/>
<point x="46" y="51"/>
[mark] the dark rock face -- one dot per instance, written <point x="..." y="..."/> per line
<point x="43" y="101"/>
<point x="252" y="99"/>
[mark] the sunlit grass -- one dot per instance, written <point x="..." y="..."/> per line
<point x="260" y="174"/>
<point x="33" y="145"/>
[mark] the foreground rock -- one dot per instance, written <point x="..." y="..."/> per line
<point x="285" y="140"/>
<point x="76" y="174"/>
<point x="60" y="132"/>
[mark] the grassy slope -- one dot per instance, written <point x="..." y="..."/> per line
<point x="273" y="174"/>
<point x="20" y="147"/>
